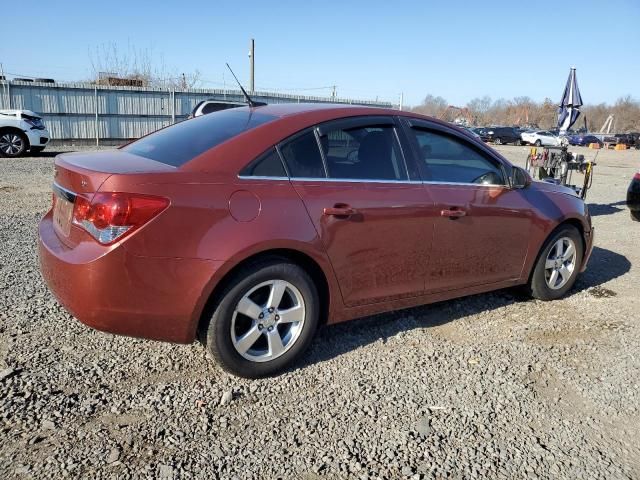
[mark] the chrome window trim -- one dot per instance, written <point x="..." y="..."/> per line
<point x="256" y="177"/>
<point x="463" y="184"/>
<point x="361" y="180"/>
<point x="355" y="180"/>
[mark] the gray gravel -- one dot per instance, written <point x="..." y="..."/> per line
<point x="491" y="386"/>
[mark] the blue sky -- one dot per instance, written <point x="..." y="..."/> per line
<point x="458" y="50"/>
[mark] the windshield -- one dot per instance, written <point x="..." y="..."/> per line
<point x="180" y="143"/>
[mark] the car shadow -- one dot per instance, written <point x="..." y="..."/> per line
<point x="335" y="340"/>
<point x="598" y="209"/>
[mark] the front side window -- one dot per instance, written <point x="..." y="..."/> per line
<point x="446" y="158"/>
<point x="302" y="156"/>
<point x="363" y="153"/>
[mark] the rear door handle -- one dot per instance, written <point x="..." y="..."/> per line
<point x="339" y="211"/>
<point x="453" y="214"/>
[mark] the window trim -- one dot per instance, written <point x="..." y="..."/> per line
<point x="261" y="157"/>
<point x="411" y="123"/>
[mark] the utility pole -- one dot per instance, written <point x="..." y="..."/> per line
<point x="334" y="94"/>
<point x="401" y="100"/>
<point x="252" y="58"/>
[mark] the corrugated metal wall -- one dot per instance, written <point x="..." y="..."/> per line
<point x="69" y="110"/>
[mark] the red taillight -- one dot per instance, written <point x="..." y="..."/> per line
<point x="110" y="216"/>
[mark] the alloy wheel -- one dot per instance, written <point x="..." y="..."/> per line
<point x="268" y="320"/>
<point x="11" y="144"/>
<point x="560" y="263"/>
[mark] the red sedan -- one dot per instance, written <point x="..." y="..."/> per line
<point x="250" y="227"/>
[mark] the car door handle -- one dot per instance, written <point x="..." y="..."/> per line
<point x="339" y="211"/>
<point x="453" y="214"/>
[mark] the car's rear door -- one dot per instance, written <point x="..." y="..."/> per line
<point x="374" y="219"/>
<point x="482" y="226"/>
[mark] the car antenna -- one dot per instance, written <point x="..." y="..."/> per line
<point x="250" y="102"/>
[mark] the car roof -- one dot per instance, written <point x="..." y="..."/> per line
<point x="288" y="109"/>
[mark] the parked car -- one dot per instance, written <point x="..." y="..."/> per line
<point x="583" y="140"/>
<point x="21" y="131"/>
<point x="250" y="227"/>
<point x="209" y="106"/>
<point x="501" y="135"/>
<point x="540" y="137"/>
<point x="473" y="132"/>
<point x="633" y="197"/>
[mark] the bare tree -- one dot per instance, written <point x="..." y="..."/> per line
<point x="139" y="65"/>
<point x="432" y="106"/>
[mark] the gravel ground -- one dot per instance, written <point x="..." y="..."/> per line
<point x="490" y="386"/>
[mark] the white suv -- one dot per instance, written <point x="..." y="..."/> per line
<point x="21" y="131"/>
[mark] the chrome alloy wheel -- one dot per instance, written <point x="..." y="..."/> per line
<point x="11" y="144"/>
<point x="267" y="320"/>
<point x="560" y="263"/>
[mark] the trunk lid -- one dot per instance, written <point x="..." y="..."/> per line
<point x="83" y="174"/>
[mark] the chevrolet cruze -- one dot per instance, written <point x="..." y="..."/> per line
<point x="248" y="228"/>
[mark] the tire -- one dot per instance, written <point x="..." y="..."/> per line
<point x="243" y="345"/>
<point x="498" y="141"/>
<point x="538" y="143"/>
<point x="517" y="143"/>
<point x="36" y="149"/>
<point x="539" y="285"/>
<point x="13" y="143"/>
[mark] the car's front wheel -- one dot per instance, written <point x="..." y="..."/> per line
<point x="538" y="143"/>
<point x="265" y="317"/>
<point x="558" y="264"/>
<point x="498" y="141"/>
<point x="12" y="144"/>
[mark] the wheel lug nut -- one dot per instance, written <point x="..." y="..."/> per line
<point x="277" y="317"/>
<point x="260" y="326"/>
<point x="270" y="328"/>
<point x="271" y="310"/>
<point x="261" y="315"/>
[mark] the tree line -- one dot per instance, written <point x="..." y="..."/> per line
<point x="527" y="112"/>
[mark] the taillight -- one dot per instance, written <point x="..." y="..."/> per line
<point x="108" y="217"/>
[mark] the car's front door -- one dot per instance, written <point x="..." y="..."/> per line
<point x="374" y="221"/>
<point x="482" y="230"/>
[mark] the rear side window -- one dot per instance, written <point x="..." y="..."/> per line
<point x="446" y="158"/>
<point x="363" y="153"/>
<point x="179" y="143"/>
<point x="302" y="157"/>
<point x="266" y="165"/>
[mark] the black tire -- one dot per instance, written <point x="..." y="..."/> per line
<point x="538" y="143"/>
<point x="36" y="149"/>
<point x="498" y="141"/>
<point x="537" y="286"/>
<point x="13" y="143"/>
<point x="216" y="334"/>
<point x="517" y="143"/>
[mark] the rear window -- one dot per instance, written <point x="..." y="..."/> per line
<point x="179" y="143"/>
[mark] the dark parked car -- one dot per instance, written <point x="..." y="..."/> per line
<point x="583" y="140"/>
<point x="633" y="197"/>
<point x="249" y="227"/>
<point x="500" y="135"/>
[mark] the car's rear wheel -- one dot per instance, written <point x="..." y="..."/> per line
<point x="264" y="319"/>
<point x="498" y="141"/>
<point x="558" y="264"/>
<point x="538" y="143"/>
<point x="12" y="143"/>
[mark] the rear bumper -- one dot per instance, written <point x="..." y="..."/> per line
<point x="112" y="290"/>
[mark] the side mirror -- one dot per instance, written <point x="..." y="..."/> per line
<point x="520" y="178"/>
